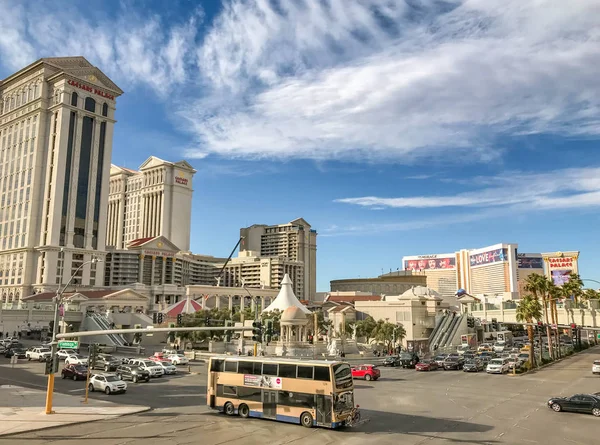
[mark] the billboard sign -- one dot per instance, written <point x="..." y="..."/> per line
<point x="262" y="381"/>
<point x="525" y="262"/>
<point x="560" y="277"/>
<point x="561" y="262"/>
<point x="430" y="262"/>
<point x="489" y="257"/>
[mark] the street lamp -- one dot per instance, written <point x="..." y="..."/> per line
<point x="57" y="302"/>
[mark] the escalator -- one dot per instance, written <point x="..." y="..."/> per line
<point x="445" y="337"/>
<point x="104" y="325"/>
<point x="439" y="329"/>
<point x="452" y="331"/>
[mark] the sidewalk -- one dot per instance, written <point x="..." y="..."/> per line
<point x="22" y="409"/>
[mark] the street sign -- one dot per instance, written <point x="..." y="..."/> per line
<point x="555" y="326"/>
<point x="598" y="336"/>
<point x="68" y="344"/>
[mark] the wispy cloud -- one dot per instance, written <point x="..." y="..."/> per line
<point x="568" y="188"/>
<point x="373" y="79"/>
<point x="132" y="48"/>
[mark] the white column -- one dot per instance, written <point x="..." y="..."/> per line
<point x="230" y="302"/>
<point x="161" y="213"/>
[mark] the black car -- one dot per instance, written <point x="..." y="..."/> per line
<point x="133" y="373"/>
<point x="453" y="363"/>
<point x="107" y="362"/>
<point x="473" y="366"/>
<point x="579" y="403"/>
<point x="439" y="359"/>
<point x="392" y="360"/>
<point x="75" y="372"/>
<point x="19" y="352"/>
<point x="408" y="359"/>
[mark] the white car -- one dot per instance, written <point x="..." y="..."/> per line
<point x="596" y="367"/>
<point x="168" y="368"/>
<point x="109" y="383"/>
<point x="40" y="354"/>
<point x="153" y="368"/>
<point x="178" y="359"/>
<point x="499" y="346"/>
<point x="64" y="353"/>
<point x="498" y="366"/>
<point x="76" y="359"/>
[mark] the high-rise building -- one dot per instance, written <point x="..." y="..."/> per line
<point x="56" y="130"/>
<point x="295" y="241"/>
<point x="154" y="201"/>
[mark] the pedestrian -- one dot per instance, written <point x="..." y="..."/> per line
<point x="239" y="352"/>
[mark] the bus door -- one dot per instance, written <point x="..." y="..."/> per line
<point x="269" y="401"/>
<point x="324" y="407"/>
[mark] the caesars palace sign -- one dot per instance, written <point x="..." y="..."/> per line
<point x="90" y="89"/>
<point x="561" y="263"/>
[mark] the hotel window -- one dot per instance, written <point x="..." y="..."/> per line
<point x="105" y="109"/>
<point x="90" y="104"/>
<point x="74" y="99"/>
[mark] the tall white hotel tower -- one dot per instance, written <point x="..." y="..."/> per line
<point x="56" y="131"/>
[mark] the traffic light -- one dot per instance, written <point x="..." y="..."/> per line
<point x="574" y="333"/>
<point x="268" y="330"/>
<point x="207" y="321"/>
<point x="539" y="329"/>
<point x="51" y="365"/>
<point x="171" y="335"/>
<point x="495" y="325"/>
<point x="155" y="318"/>
<point x="160" y="318"/>
<point x="257" y="331"/>
<point x="228" y="333"/>
<point x="179" y="319"/>
<point x="470" y="322"/>
<point x="93" y="352"/>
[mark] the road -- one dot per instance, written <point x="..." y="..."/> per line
<point x="403" y="407"/>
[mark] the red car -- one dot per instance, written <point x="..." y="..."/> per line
<point x="367" y="372"/>
<point x="159" y="357"/>
<point x="427" y="365"/>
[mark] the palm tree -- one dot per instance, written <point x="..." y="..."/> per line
<point x="573" y="288"/>
<point x="529" y="308"/>
<point x="540" y="286"/>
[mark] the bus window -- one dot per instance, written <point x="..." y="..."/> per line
<point x="322" y="373"/>
<point x="288" y="371"/>
<point x="226" y="390"/>
<point x="246" y="368"/>
<point x="217" y="365"/>
<point x="269" y="369"/>
<point x="343" y="375"/>
<point x="296" y="399"/>
<point x="248" y="393"/>
<point x="231" y="366"/>
<point x="305" y="372"/>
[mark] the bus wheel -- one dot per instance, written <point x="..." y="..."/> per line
<point x="243" y="410"/>
<point x="306" y="420"/>
<point x="229" y="409"/>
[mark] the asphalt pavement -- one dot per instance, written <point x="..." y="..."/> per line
<point x="403" y="407"/>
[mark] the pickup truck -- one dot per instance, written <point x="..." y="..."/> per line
<point x="41" y="354"/>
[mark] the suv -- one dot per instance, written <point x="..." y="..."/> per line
<point x="596" y="367"/>
<point x="109" y="383"/>
<point x="133" y="373"/>
<point x="154" y="369"/>
<point x="41" y="354"/>
<point x="106" y="362"/>
<point x="367" y="372"/>
<point x="409" y="359"/>
<point x="498" y="366"/>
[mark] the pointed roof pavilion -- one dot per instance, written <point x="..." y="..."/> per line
<point x="286" y="298"/>
<point x="187" y="306"/>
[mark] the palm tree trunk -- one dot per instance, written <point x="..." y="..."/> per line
<point x="550" y="349"/>
<point x="531" y="344"/>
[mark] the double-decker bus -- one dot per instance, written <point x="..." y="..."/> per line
<point x="307" y="392"/>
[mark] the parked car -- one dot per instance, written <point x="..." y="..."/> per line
<point x="76" y="359"/>
<point x="409" y="359"/>
<point x="596" y="367"/>
<point x="485" y="347"/>
<point x="107" y="362"/>
<point x="427" y="365"/>
<point x="159" y="357"/>
<point x="64" y="353"/>
<point x="453" y="363"/>
<point x="499" y="346"/>
<point x="392" y="360"/>
<point x="463" y="349"/>
<point x="41" y="354"/>
<point x="439" y="359"/>
<point x="109" y="383"/>
<point x="497" y="366"/>
<point x="20" y="352"/>
<point x="154" y="369"/>
<point x="578" y="403"/>
<point x="168" y="368"/>
<point x="468" y="356"/>
<point x="133" y="373"/>
<point x="75" y="372"/>
<point x="367" y="372"/>
<point x="473" y="366"/>
<point x="178" y="359"/>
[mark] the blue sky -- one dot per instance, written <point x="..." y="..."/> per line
<point x="393" y="127"/>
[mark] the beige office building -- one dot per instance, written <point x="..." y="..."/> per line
<point x="295" y="241"/>
<point x="154" y="201"/>
<point x="56" y="131"/>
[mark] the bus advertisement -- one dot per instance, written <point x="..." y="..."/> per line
<point x="306" y="392"/>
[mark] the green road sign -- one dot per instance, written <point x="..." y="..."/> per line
<point x="68" y="344"/>
<point x="598" y="336"/>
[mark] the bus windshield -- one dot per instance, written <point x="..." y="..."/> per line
<point x="343" y="376"/>
<point x="343" y="401"/>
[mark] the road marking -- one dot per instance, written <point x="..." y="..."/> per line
<point x="76" y="390"/>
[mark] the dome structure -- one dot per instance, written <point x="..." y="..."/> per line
<point x="293" y="315"/>
<point x="286" y="298"/>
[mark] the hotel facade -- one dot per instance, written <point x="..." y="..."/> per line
<point x="57" y="117"/>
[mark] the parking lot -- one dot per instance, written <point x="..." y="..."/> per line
<point x="403" y="407"/>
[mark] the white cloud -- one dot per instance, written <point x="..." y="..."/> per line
<point x="568" y="188"/>
<point x="132" y="48"/>
<point x="326" y="80"/>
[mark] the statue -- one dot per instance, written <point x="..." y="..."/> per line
<point x="353" y="326"/>
<point x="218" y="281"/>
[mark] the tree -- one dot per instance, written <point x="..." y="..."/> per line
<point x="529" y="309"/>
<point x="388" y="332"/>
<point x="573" y="288"/>
<point x="591" y="294"/>
<point x="274" y="315"/>
<point x="365" y="328"/>
<point x="540" y="286"/>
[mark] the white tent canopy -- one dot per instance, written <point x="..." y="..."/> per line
<point x="286" y="298"/>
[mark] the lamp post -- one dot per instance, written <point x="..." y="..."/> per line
<point x="57" y="301"/>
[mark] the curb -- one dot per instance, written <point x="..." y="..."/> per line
<point x="539" y="368"/>
<point x="16" y="433"/>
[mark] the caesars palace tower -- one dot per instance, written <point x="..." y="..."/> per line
<point x="56" y="131"/>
